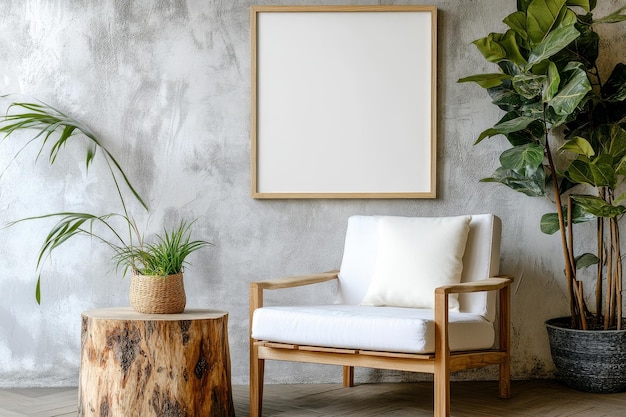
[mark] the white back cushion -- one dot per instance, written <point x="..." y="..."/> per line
<point x="480" y="261"/>
<point x="416" y="255"/>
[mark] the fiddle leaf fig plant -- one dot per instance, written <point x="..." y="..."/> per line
<point x="53" y="130"/>
<point x="566" y="129"/>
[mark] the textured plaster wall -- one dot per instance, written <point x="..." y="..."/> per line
<point x="165" y="84"/>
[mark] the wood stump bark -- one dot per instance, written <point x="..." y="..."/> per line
<point x="161" y="365"/>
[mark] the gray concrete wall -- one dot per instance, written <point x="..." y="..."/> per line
<point x="166" y="86"/>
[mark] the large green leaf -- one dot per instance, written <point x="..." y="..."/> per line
<point x="615" y="87"/>
<point x="617" y="147"/>
<point x="490" y="47"/>
<point x="597" y="206"/>
<point x="584" y="49"/>
<point x="550" y="221"/>
<point x="509" y="126"/>
<point x="599" y="172"/>
<point x="572" y="93"/>
<point x="528" y="85"/>
<point x="534" y="132"/>
<point x="533" y="186"/>
<point x="551" y="86"/>
<point x="553" y="43"/>
<point x="620" y="169"/>
<point x="505" y="97"/>
<point x="585" y="260"/>
<point x="603" y="172"/>
<point x="565" y="184"/>
<point x="598" y="132"/>
<point x="509" y="43"/>
<point x="509" y="68"/>
<point x="544" y="16"/>
<point x="578" y="146"/>
<point x="517" y="22"/>
<point x="579" y="215"/>
<point x="486" y="80"/>
<point x="523" y="160"/>
<point x="533" y="109"/>
<point x="497" y="47"/>
<point x="579" y="171"/>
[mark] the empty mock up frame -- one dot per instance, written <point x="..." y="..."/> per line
<point x="343" y="101"/>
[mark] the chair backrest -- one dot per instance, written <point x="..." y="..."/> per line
<point x="481" y="260"/>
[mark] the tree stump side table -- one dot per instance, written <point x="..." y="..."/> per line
<point x="135" y="364"/>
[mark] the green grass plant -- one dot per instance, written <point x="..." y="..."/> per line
<point x="165" y="257"/>
<point x="53" y="130"/>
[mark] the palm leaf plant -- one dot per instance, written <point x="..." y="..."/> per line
<point x="53" y="130"/>
<point x="565" y="125"/>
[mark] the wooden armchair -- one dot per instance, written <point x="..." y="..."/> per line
<point x="370" y="323"/>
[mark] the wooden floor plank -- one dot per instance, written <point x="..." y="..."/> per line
<point x="469" y="399"/>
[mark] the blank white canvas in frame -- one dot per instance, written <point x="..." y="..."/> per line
<point x="344" y="104"/>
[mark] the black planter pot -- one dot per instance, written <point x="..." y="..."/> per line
<point x="588" y="360"/>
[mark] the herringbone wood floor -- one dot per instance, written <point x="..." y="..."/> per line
<point x="469" y="399"/>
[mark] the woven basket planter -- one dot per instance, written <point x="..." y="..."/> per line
<point x="588" y="360"/>
<point x="157" y="295"/>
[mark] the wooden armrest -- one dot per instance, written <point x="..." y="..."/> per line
<point x="297" y="281"/>
<point x="257" y="287"/>
<point x="500" y="283"/>
<point x="489" y="284"/>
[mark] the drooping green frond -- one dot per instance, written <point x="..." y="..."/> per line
<point x="52" y="125"/>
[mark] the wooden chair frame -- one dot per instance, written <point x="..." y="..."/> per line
<point x="440" y="363"/>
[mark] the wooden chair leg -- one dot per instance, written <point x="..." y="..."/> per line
<point x="504" y="389"/>
<point x="257" y="372"/>
<point x="442" y="357"/>
<point x="348" y="376"/>
<point x="442" y="392"/>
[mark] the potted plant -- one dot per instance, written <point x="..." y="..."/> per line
<point x="156" y="284"/>
<point x="157" y="268"/>
<point x="566" y="124"/>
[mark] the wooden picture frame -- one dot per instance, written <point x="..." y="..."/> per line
<point x="343" y="101"/>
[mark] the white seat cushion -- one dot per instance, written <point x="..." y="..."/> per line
<point x="392" y="329"/>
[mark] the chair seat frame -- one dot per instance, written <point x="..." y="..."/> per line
<point x="440" y="363"/>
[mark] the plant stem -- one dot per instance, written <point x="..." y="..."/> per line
<point x="610" y="285"/>
<point x="569" y="270"/>
<point x="578" y="286"/>
<point x="618" y="276"/>
<point x="600" y="267"/>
